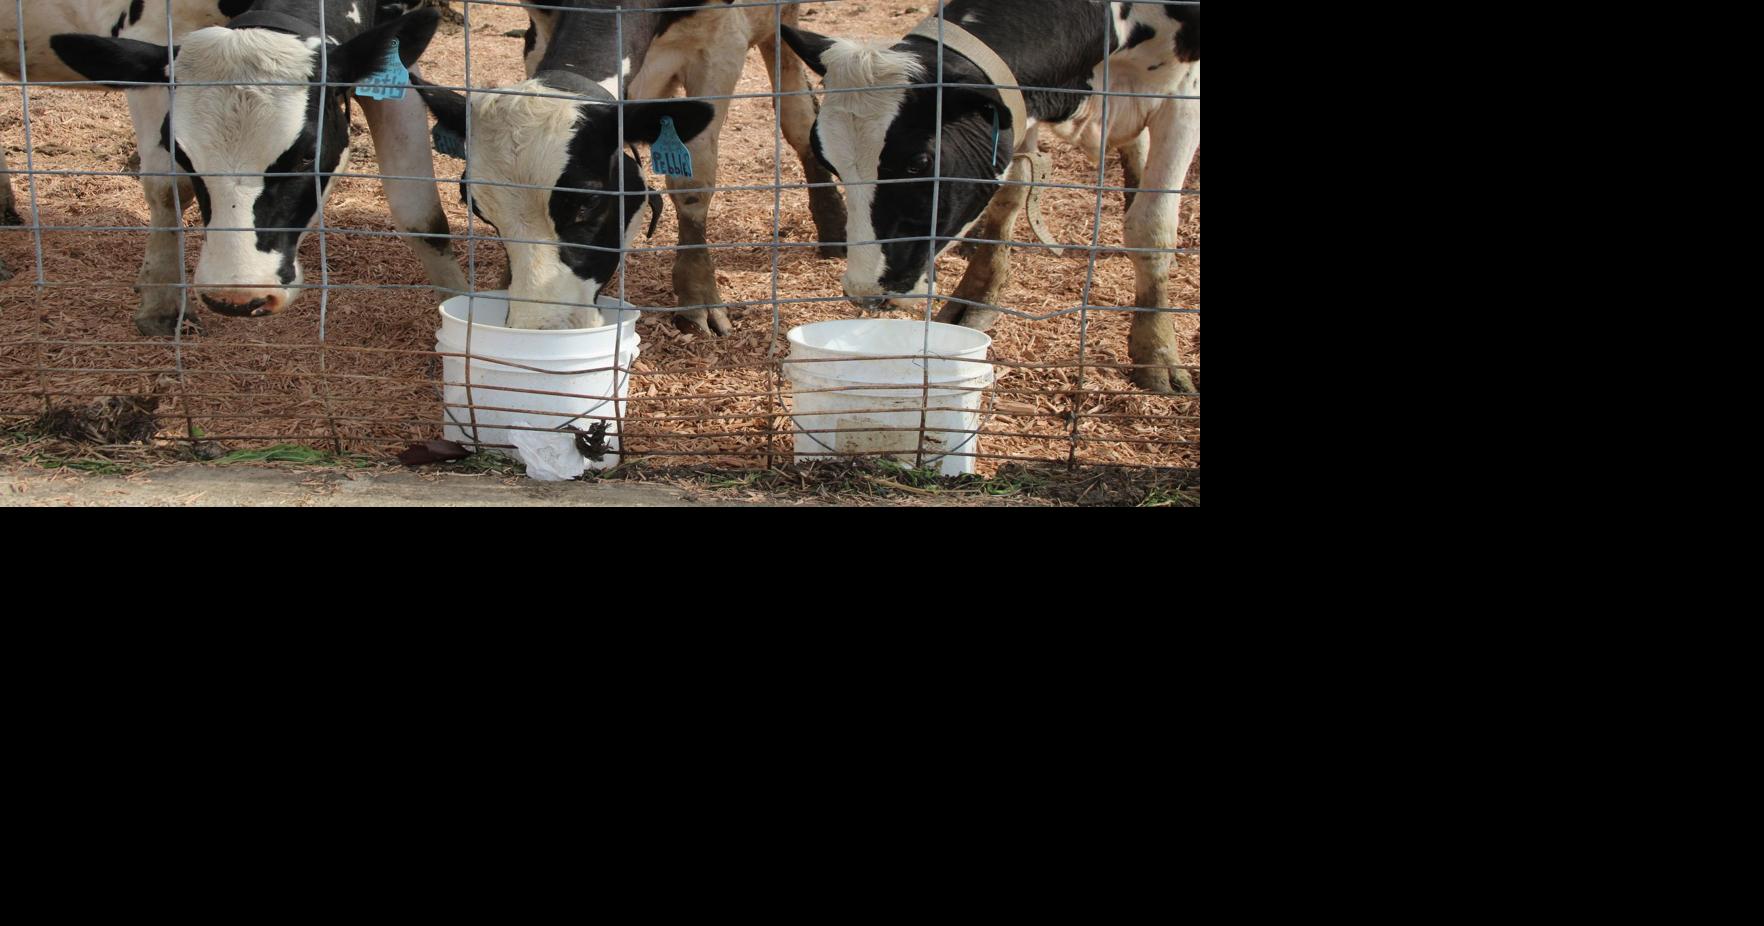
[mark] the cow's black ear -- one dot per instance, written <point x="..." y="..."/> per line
<point x="449" y="106"/>
<point x="366" y="53"/>
<point x="809" y="46"/>
<point x="116" y="62"/>
<point x="643" y="120"/>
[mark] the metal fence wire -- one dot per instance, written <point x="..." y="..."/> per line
<point x="354" y="364"/>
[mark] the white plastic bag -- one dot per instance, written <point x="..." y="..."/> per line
<point x="551" y="456"/>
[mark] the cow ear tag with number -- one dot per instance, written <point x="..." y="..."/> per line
<point x="389" y="81"/>
<point x="669" y="156"/>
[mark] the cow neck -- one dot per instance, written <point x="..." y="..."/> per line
<point x="997" y="73"/>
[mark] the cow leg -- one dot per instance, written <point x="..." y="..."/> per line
<point x="401" y="143"/>
<point x="796" y="116"/>
<point x="695" y="270"/>
<point x="1133" y="155"/>
<point x="8" y="211"/>
<point x="167" y="198"/>
<point x="714" y="73"/>
<point x="1152" y="223"/>
<point x="989" y="269"/>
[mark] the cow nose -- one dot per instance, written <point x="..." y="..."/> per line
<point x="242" y="305"/>
<point x="868" y="303"/>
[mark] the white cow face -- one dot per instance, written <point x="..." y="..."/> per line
<point x="547" y="169"/>
<point x="258" y="133"/>
<point x="260" y="173"/>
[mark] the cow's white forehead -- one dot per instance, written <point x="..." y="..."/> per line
<point x="221" y="54"/>
<point x="238" y="126"/>
<point x="521" y="138"/>
<point x="854" y="125"/>
<point x="855" y="63"/>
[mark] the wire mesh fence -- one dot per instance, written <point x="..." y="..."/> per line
<point x="1077" y="261"/>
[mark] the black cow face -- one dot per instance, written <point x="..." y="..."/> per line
<point x="970" y="152"/>
<point x="249" y="127"/>
<point x="881" y="137"/>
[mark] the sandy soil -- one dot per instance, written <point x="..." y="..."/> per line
<point x="369" y="383"/>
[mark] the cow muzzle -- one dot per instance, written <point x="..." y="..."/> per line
<point x="881" y="299"/>
<point x="245" y="303"/>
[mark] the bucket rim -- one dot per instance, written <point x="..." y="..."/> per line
<point x="960" y="386"/>
<point x="795" y="337"/>
<point x="501" y="295"/>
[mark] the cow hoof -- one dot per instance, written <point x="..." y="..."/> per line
<point x="715" y="322"/>
<point x="1164" y="381"/>
<point x="10" y="216"/>
<point x="831" y="251"/>
<point x="5" y="273"/>
<point x="968" y="316"/>
<point x="166" y="326"/>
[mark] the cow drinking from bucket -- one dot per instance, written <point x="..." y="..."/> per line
<point x="545" y="169"/>
<point x="887" y="132"/>
<point x="260" y="123"/>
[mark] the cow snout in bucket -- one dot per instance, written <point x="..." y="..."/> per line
<point x="887" y="303"/>
<point x="874" y="297"/>
<point x="244" y="303"/>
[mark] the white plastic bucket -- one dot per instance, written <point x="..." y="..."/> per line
<point x="891" y="394"/>
<point x="582" y="361"/>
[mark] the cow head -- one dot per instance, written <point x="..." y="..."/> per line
<point x="260" y="136"/>
<point x="882" y="139"/>
<point x="546" y="165"/>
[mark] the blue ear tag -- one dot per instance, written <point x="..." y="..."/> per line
<point x="448" y="142"/>
<point x="668" y="155"/>
<point x="389" y="81"/>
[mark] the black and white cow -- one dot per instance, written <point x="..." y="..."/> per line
<point x="887" y="133"/>
<point x="252" y="107"/>
<point x="541" y="166"/>
<point x="132" y="19"/>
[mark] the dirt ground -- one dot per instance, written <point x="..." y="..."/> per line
<point x="370" y="386"/>
<point x="192" y="486"/>
<point x="302" y="478"/>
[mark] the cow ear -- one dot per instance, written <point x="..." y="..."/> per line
<point x="643" y="120"/>
<point x="809" y="46"/>
<point x="366" y="53"/>
<point x="449" y="107"/>
<point x="632" y="167"/>
<point x="113" y="61"/>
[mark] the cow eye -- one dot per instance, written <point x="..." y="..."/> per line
<point x="920" y="164"/>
